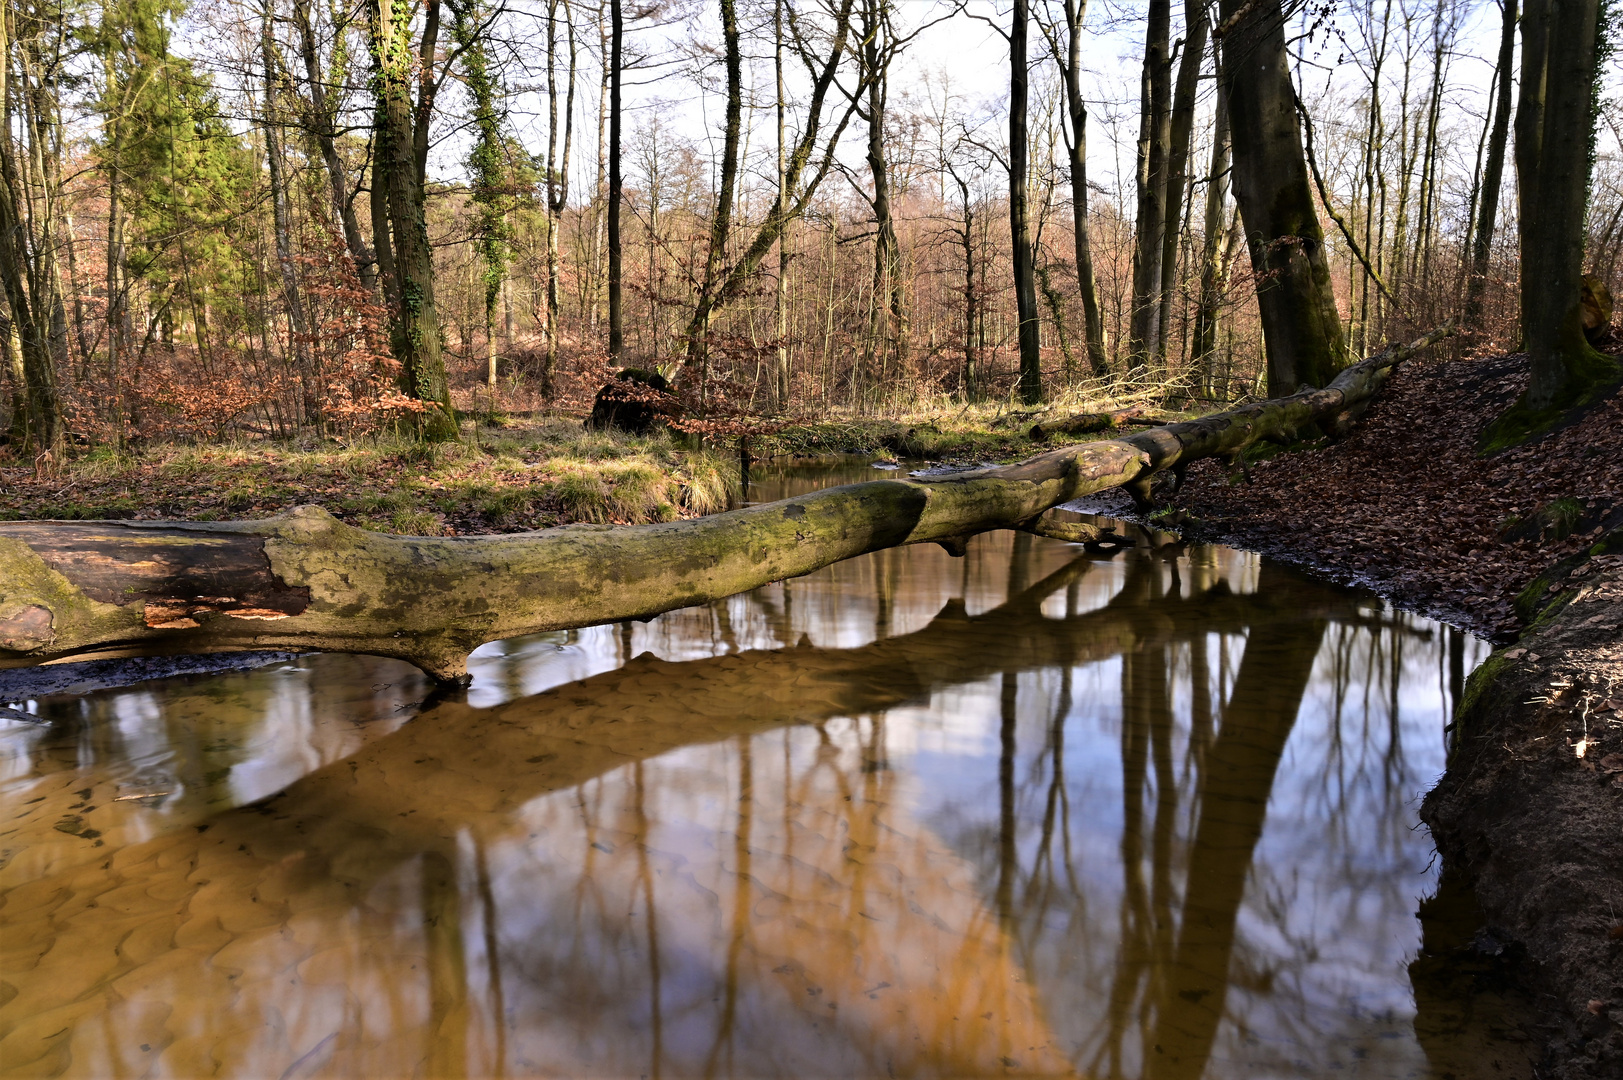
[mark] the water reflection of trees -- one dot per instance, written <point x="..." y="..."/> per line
<point x="679" y="866"/>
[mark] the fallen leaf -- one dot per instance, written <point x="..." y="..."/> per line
<point x="1612" y="763"/>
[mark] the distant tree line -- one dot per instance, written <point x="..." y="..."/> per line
<point x="284" y="218"/>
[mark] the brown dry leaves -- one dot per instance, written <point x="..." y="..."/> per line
<point x="1405" y="506"/>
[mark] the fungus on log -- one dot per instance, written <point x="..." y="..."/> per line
<point x="304" y="580"/>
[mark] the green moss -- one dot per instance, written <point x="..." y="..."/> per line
<point x="1539" y="602"/>
<point x="1593" y="378"/>
<point x="1555" y="520"/>
<point x="1478" y="684"/>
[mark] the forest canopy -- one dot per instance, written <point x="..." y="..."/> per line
<point x="281" y="219"/>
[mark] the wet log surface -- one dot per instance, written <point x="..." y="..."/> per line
<point x="304" y="580"/>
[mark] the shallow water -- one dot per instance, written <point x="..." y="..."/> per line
<point x="1028" y="812"/>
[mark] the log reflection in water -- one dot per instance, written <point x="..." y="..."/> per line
<point x="628" y="875"/>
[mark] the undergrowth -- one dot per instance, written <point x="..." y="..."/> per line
<point x="515" y="476"/>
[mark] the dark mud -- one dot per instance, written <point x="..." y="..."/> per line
<point x="1531" y="812"/>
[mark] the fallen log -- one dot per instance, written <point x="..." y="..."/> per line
<point x="1091" y="423"/>
<point x="306" y="581"/>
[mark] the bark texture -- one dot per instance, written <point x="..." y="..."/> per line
<point x="399" y="191"/>
<point x="1493" y="171"/>
<point x="304" y="580"/>
<point x="1300" y="325"/>
<point x="1025" y="267"/>
<point x="1553" y="122"/>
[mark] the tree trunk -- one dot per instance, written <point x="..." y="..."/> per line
<point x="557" y="175"/>
<point x="401" y="157"/>
<point x="29" y="304"/>
<point x="887" y="322"/>
<point x="282" y="228"/>
<point x="1213" y="263"/>
<point x="698" y="331"/>
<point x="1488" y="197"/>
<point x="616" y="311"/>
<point x="304" y="580"/>
<point x="1087" y="283"/>
<point x="780" y="290"/>
<point x="1025" y="270"/>
<point x="723" y="282"/>
<point x="1149" y="231"/>
<point x="319" y="122"/>
<point x="1300" y="325"/>
<point x="1183" y="125"/>
<point x="1553" y="125"/>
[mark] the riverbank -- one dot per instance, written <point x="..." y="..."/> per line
<point x="506" y="474"/>
<point x="528" y="474"/>
<point x="1530" y="811"/>
<point x="1526" y="549"/>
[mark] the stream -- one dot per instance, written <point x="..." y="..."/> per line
<point x="1029" y="812"/>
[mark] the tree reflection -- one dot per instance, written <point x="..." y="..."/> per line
<point x="729" y="865"/>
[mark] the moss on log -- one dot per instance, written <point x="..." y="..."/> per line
<point x="305" y="580"/>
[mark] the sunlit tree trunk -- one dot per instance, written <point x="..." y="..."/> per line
<point x="722" y="280"/>
<point x="1077" y="150"/>
<point x="1182" y="132"/>
<point x="282" y="227"/>
<point x="780" y="297"/>
<point x="400" y="162"/>
<point x="1149" y="232"/>
<point x="557" y="174"/>
<point x="319" y="123"/>
<point x="698" y="331"/>
<point x="616" y="133"/>
<point x="1213" y="263"/>
<point x="887" y="322"/>
<point x="26" y="296"/>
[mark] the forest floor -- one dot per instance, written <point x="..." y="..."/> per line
<point x="1404" y="505"/>
<point x="525" y="475"/>
<point x="517" y="473"/>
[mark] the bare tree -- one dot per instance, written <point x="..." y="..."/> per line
<point x="1068" y="53"/>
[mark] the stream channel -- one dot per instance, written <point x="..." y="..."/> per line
<point x="1028" y="812"/>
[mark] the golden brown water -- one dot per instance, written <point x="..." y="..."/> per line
<point x="1023" y="813"/>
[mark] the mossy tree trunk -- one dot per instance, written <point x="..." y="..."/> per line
<point x="400" y="162"/>
<point x="1554" y="119"/>
<point x="304" y="580"/>
<point x="1301" y="328"/>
